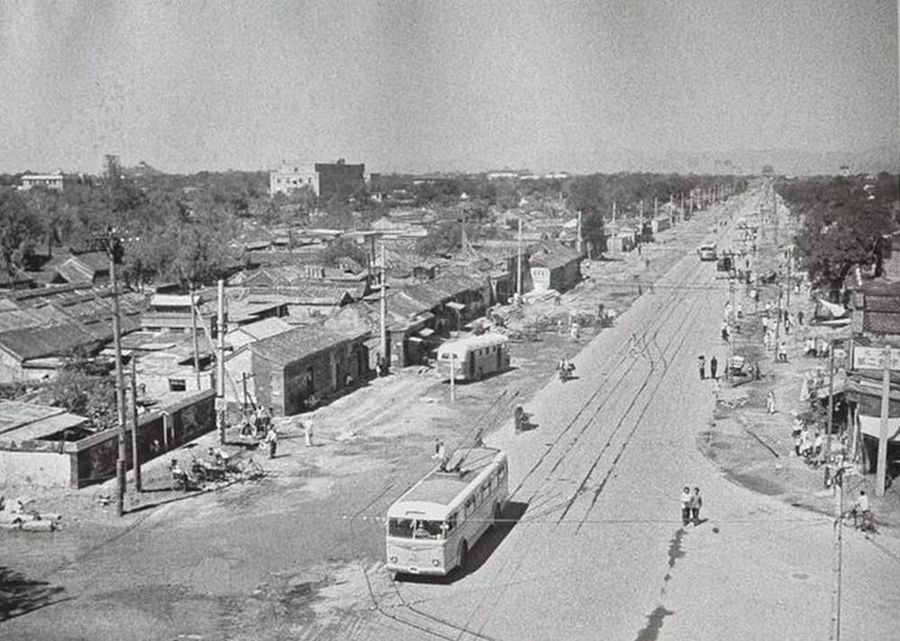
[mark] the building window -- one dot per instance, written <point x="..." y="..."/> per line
<point x="177" y="385"/>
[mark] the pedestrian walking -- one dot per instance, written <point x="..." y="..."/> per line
<point x="782" y="352"/>
<point x="696" y="504"/>
<point x="800" y="317"/>
<point x="713" y="367"/>
<point x="701" y="364"/>
<point x="308" y="432"/>
<point x="770" y="402"/>
<point x="725" y="332"/>
<point x="272" y="440"/>
<point x="686" y="506"/>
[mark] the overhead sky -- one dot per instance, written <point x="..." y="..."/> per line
<point x="440" y="84"/>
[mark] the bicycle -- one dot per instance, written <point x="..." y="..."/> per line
<point x="863" y="521"/>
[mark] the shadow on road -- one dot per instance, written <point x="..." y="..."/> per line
<point x="482" y="551"/>
<point x="20" y="595"/>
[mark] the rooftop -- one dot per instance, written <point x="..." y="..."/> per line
<point x="443" y="487"/>
<point x="20" y="422"/>
<point x="303" y="341"/>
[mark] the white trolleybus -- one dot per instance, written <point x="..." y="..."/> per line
<point x="471" y="358"/>
<point x="432" y="527"/>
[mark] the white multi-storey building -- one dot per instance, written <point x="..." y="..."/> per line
<point x="289" y="178"/>
<point x="47" y="181"/>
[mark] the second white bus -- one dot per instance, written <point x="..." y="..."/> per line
<point x="434" y="525"/>
<point x="474" y="357"/>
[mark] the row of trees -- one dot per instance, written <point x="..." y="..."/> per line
<point x="845" y="222"/>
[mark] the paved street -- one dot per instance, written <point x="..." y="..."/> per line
<point x="600" y="550"/>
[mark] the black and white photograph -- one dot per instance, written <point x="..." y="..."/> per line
<point x="463" y="320"/>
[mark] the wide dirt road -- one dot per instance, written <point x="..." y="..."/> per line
<point x="600" y="551"/>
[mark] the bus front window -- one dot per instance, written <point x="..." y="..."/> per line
<point x="401" y="528"/>
<point x="428" y="530"/>
<point x="416" y="529"/>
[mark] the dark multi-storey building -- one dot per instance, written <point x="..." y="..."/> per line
<point x="339" y="178"/>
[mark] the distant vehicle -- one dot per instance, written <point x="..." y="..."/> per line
<point x="432" y="527"/>
<point x="707" y="252"/>
<point x="473" y="357"/>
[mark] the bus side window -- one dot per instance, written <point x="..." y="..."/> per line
<point x="470" y="504"/>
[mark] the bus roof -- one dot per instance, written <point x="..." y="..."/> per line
<point x="432" y="495"/>
<point x="462" y="345"/>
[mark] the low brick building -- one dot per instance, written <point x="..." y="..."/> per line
<point x="296" y="369"/>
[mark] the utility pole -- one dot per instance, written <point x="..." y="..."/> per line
<point x="790" y="261"/>
<point x="837" y="556"/>
<point x="880" y="472"/>
<point x="580" y="238"/>
<point x="382" y="305"/>
<point x="135" y="458"/>
<point x="777" y="323"/>
<point x="614" y="214"/>
<point x="120" y="379"/>
<point x="196" y="340"/>
<point x="518" y="267"/>
<point x="220" y="362"/>
<point x="830" y="404"/>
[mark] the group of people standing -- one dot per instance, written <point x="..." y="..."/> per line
<point x="691" y="502"/>
<point x="713" y="367"/>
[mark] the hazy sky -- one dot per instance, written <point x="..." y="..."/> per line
<point x="421" y="86"/>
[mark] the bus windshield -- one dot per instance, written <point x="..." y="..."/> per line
<point x="416" y="529"/>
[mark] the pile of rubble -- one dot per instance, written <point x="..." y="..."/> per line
<point x="17" y="514"/>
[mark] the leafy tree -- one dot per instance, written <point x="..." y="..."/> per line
<point x="841" y="229"/>
<point x="83" y="386"/>
<point x="443" y="238"/>
<point x="20" y="229"/>
<point x="343" y="248"/>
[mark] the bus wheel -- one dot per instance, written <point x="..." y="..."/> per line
<point x="463" y="556"/>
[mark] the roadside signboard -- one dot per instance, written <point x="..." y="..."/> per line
<point x="873" y="358"/>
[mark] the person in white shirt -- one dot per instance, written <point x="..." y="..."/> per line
<point x="861" y="509"/>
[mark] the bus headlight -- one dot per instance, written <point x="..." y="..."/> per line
<point x="435" y="562"/>
<point x="393" y="559"/>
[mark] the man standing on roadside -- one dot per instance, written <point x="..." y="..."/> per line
<point x="272" y="440"/>
<point x="713" y="367"/>
<point x="701" y="364"/>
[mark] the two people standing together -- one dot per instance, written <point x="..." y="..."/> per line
<point x="691" y="502"/>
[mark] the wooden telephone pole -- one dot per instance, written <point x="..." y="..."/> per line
<point x="113" y="175"/>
